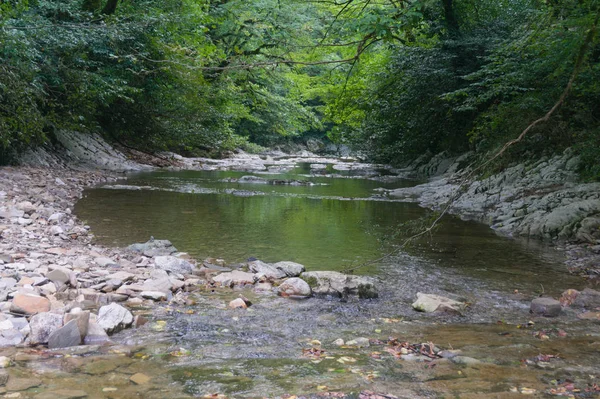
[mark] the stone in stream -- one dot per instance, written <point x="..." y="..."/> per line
<point x="62" y="394"/>
<point x="95" y="335"/>
<point x="291" y="269"/>
<point x="66" y="336"/>
<point x="154" y="248"/>
<point x="433" y="303"/>
<point x="235" y="277"/>
<point x="268" y="270"/>
<point x="239" y="303"/>
<point x="42" y="326"/>
<point x="82" y="318"/>
<point x="154" y="295"/>
<point x="29" y="303"/>
<point x="113" y="318"/>
<point x="547" y="307"/>
<point x="173" y="264"/>
<point x="22" y="384"/>
<point x="335" y="283"/>
<point x="294" y="287"/>
<point x="139" y="379"/>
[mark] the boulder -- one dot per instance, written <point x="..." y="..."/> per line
<point x="173" y="264"/>
<point x="113" y="318"/>
<point x="66" y="336"/>
<point x="268" y="270"/>
<point x="294" y="287"/>
<point x="291" y="269"/>
<point x="42" y="326"/>
<point x="29" y="303"/>
<point x="334" y="283"/>
<point x="547" y="307"/>
<point x="435" y="303"/>
<point x="588" y="298"/>
<point x="154" y="248"/>
<point x="235" y="277"/>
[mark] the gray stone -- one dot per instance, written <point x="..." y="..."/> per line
<point x="435" y="303"/>
<point x="82" y="318"/>
<point x="294" y="287"/>
<point x="103" y="261"/>
<point x="291" y="269"/>
<point x="11" y="337"/>
<point x="154" y="295"/>
<point x="266" y="269"/>
<point x="235" y="277"/>
<point x="96" y="335"/>
<point x="469" y="361"/>
<point x="334" y="283"/>
<point x="42" y="326"/>
<point x="66" y="336"/>
<point x="113" y="318"/>
<point x="154" y="248"/>
<point x="547" y="307"/>
<point x="173" y="264"/>
<point x="58" y="275"/>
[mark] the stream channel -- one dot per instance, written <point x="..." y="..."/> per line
<point x="329" y="218"/>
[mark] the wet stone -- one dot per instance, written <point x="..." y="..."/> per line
<point x="62" y="394"/>
<point x="22" y="384"/>
<point x="139" y="379"/>
<point x="547" y="307"/>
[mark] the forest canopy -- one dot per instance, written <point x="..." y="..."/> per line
<point x="394" y="79"/>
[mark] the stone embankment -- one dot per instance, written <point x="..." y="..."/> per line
<point x="542" y="199"/>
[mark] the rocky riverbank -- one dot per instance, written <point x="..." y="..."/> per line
<point x="542" y="199"/>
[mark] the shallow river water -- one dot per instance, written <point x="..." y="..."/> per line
<point x="327" y="220"/>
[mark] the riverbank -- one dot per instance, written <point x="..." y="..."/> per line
<point x="542" y="199"/>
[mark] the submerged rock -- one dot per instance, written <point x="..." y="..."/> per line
<point x="335" y="283"/>
<point x="547" y="307"/>
<point x="433" y="303"/>
<point x="154" y="248"/>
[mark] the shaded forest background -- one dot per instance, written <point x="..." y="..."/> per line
<point x="394" y="79"/>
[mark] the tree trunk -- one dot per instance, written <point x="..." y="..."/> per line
<point x="110" y="7"/>
<point x="450" y="18"/>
